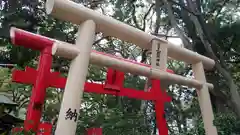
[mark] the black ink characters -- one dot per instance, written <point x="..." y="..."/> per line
<point x="72" y="115"/>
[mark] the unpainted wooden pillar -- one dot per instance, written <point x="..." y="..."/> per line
<point x="67" y="121"/>
<point x="159" y="58"/>
<point x="204" y="100"/>
<point x="159" y="55"/>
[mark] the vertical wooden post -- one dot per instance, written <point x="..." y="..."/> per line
<point x="67" y="121"/>
<point x="159" y="58"/>
<point x="159" y="61"/>
<point x="159" y="55"/>
<point x="204" y="100"/>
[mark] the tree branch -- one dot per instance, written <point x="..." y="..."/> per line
<point x="158" y="13"/>
<point x="183" y="7"/>
<point x="174" y="24"/>
<point x="210" y="42"/>
<point x="145" y="17"/>
<point x="134" y="16"/>
<point x="22" y="104"/>
<point x="231" y="44"/>
<point x="236" y="53"/>
<point x="198" y="2"/>
<point x="233" y="62"/>
<point x="99" y="40"/>
<point x="220" y="65"/>
<point x="219" y="8"/>
<point x="163" y="35"/>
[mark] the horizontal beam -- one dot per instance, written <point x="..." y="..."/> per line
<point x="29" y="76"/>
<point x="29" y="40"/>
<point x="70" y="51"/>
<point x="68" y="10"/>
<point x="26" y="39"/>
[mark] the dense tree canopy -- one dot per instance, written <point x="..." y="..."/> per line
<point x="209" y="27"/>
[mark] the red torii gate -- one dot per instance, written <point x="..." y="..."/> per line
<point x="43" y="78"/>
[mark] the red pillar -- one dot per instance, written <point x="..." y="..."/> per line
<point x="160" y="120"/>
<point x="159" y="107"/>
<point x="94" y="131"/>
<point x="37" y="98"/>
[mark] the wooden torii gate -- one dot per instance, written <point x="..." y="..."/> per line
<point x="43" y="78"/>
<point x="91" y="22"/>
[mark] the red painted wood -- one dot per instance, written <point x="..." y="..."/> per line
<point x="114" y="81"/>
<point x="40" y="83"/>
<point x="30" y="40"/>
<point x="45" y="129"/>
<point x="28" y="76"/>
<point x="94" y="131"/>
<point x="159" y="107"/>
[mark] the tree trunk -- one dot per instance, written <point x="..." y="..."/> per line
<point x="207" y="41"/>
<point x="201" y="28"/>
<point x="173" y="21"/>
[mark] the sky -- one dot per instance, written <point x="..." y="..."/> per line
<point x="175" y="41"/>
<point x="109" y="10"/>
